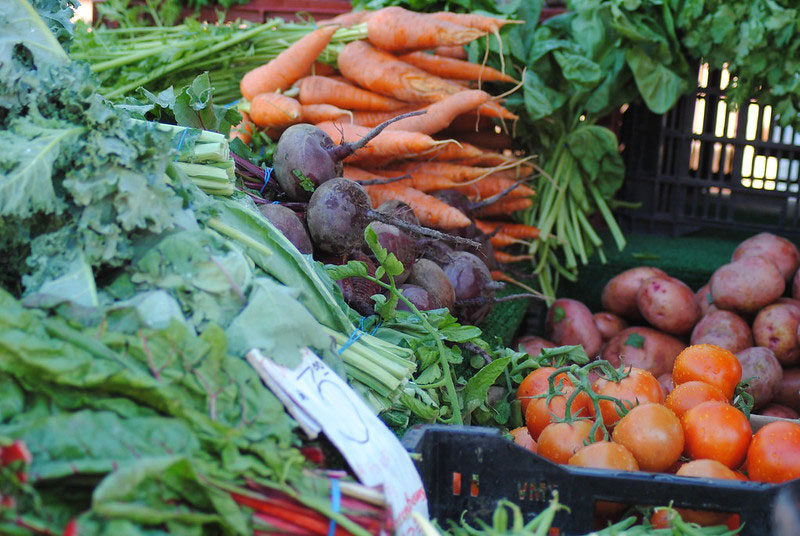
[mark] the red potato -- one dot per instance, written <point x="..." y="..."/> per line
<point x="788" y="300"/>
<point x="776" y="328"/>
<point x="644" y="348"/>
<point x="668" y="304"/>
<point x="782" y="252"/>
<point x="619" y="294"/>
<point x="796" y="285"/>
<point x="570" y="322"/>
<point x="608" y="324"/>
<point x="747" y="284"/>
<point x="789" y="389"/>
<point x="777" y="410"/>
<point x="725" y="329"/>
<point x="762" y="370"/>
<point x="666" y="383"/>
<point x="532" y="345"/>
<point x="703" y="300"/>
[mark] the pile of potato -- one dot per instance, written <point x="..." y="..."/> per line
<point x="751" y="306"/>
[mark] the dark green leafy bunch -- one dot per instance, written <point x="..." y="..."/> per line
<point x="759" y="41"/>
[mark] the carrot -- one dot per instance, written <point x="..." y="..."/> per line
<point x="456" y="172"/>
<point x="439" y="114"/>
<point x="471" y="122"/>
<point x="495" y="109"/>
<point x="471" y="20"/>
<point x="454" y="152"/>
<point x="506" y="206"/>
<point x="489" y="186"/>
<point x="244" y="130"/>
<point x="288" y="66"/>
<point x="458" y="52"/>
<point x="383" y="73"/>
<point x="502" y="240"/>
<point x="347" y="19"/>
<point x="506" y="258"/>
<point x="397" y="29"/>
<point x="373" y="119"/>
<point x="489" y="140"/>
<point x="394" y="143"/>
<point x="317" y="113"/>
<point x="274" y="110"/>
<point x="454" y="68"/>
<point x="486" y="158"/>
<point x="424" y="182"/>
<point x="324" y="90"/>
<point x="517" y="230"/>
<point x="319" y="69"/>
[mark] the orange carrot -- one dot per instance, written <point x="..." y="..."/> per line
<point x="244" y="130"/>
<point x="373" y="119"/>
<point x="454" y="152"/>
<point x="517" y="230"/>
<point x="289" y="66"/>
<point x="502" y="240"/>
<point x="489" y="140"/>
<point x="454" y="68"/>
<point x="424" y="182"/>
<point x="458" y="52"/>
<point x="324" y="90"/>
<point x="439" y="114"/>
<point x="489" y="186"/>
<point x="506" y="206"/>
<point x="274" y="110"/>
<point x="319" y="69"/>
<point x="397" y="29"/>
<point x="471" y="122"/>
<point x="394" y="143"/>
<point x="347" y="19"/>
<point x="456" y="172"/>
<point x="317" y="113"/>
<point x="471" y="20"/>
<point x="506" y="258"/>
<point x="495" y="109"/>
<point x="383" y="73"/>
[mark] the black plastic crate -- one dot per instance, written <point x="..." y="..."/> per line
<point x="703" y="166"/>
<point x="469" y="469"/>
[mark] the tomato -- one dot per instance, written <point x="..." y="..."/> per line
<point x="706" y="469"/>
<point x="540" y="413"/>
<point x="533" y="384"/>
<point x="708" y="363"/>
<point x="560" y="440"/>
<point x="639" y="386"/>
<point x="523" y="438"/>
<point x="662" y="519"/>
<point x="774" y="453"/>
<point x="605" y="455"/>
<point x="653" y="434"/>
<point x="716" y="431"/>
<point x="688" y="395"/>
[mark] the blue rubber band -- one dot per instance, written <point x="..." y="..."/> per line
<point x="336" y="499"/>
<point x="234" y="103"/>
<point x="267" y="175"/>
<point x="180" y="142"/>
<point x="357" y="333"/>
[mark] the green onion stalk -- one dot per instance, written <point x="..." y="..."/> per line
<point x="156" y="57"/>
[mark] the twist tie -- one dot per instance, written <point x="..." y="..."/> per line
<point x="267" y="175"/>
<point x="234" y="103"/>
<point x="180" y="143"/>
<point x="336" y="499"/>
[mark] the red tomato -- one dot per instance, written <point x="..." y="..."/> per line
<point x="688" y="395"/>
<point x="716" y="431"/>
<point x="533" y="384"/>
<point x="540" y="413"/>
<point x="605" y="455"/>
<point x="706" y="469"/>
<point x="639" y="387"/>
<point x="560" y="440"/>
<point x="523" y="438"/>
<point x="653" y="434"/>
<point x="708" y="363"/>
<point x="662" y="519"/>
<point x="774" y="453"/>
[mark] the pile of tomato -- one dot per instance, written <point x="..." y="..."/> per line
<point x="626" y="421"/>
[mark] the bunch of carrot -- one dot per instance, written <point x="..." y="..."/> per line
<point x="408" y="61"/>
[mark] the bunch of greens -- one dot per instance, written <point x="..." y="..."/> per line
<point x="758" y="41"/>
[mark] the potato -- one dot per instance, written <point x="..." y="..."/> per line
<point x="775" y="327"/>
<point x="796" y="286"/>
<point x="666" y="383"/>
<point x="532" y="345"/>
<point x="788" y="300"/>
<point x="788" y="393"/>
<point x="703" y="300"/>
<point x="777" y="249"/>
<point x="763" y="371"/>
<point x="725" y="329"/>
<point x="668" y="304"/>
<point x="570" y="322"/>
<point x="644" y="348"/>
<point x="746" y="285"/>
<point x="619" y="294"/>
<point x="608" y="324"/>
<point x="776" y="410"/>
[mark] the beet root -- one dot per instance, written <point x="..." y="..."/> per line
<point x="290" y="225"/>
<point x="304" y="149"/>
<point x="418" y="296"/>
<point x="400" y="244"/>
<point x="399" y="209"/>
<point x="473" y="286"/>
<point x="430" y="276"/>
<point x="358" y="291"/>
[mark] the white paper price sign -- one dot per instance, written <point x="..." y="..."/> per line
<point x="321" y="401"/>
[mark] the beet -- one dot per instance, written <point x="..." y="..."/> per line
<point x="357" y="291"/>
<point x="306" y="151"/>
<point x="416" y="295"/>
<point x="455" y="199"/>
<point x="473" y="286"/>
<point x="339" y="211"/>
<point x="400" y="210"/>
<point x="430" y="276"/>
<point x="398" y="242"/>
<point x="290" y="225"/>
